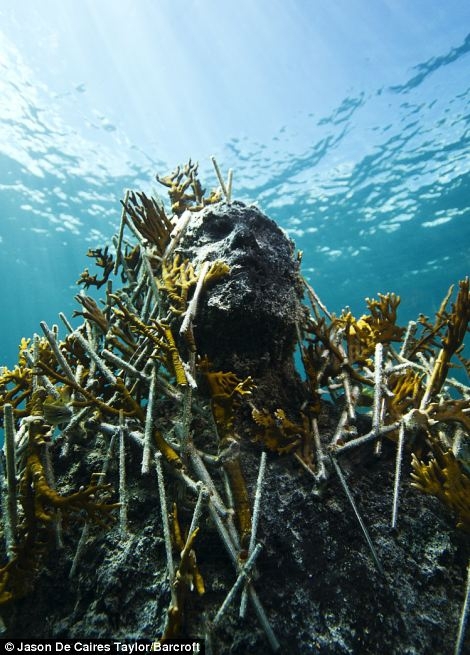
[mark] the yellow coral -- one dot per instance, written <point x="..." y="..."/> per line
<point x="149" y="219"/>
<point x="16" y="387"/>
<point x="177" y="279"/>
<point x="444" y="478"/>
<point x="457" y="324"/>
<point x="279" y="434"/>
<point x="217" y="270"/>
<point x="40" y="503"/>
<point x="183" y="180"/>
<point x="379" y="326"/>
<point x="226" y="389"/>
<point x="159" y="334"/>
<point x="407" y="393"/>
<point x="104" y="261"/>
<point x="193" y="574"/>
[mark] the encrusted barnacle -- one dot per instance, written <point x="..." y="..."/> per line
<point x="444" y="478"/>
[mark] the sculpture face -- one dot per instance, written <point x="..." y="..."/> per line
<point x="251" y="312"/>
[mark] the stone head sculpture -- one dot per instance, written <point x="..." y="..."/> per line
<point x="246" y="322"/>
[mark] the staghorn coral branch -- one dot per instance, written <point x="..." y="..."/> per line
<point x="378" y="383"/>
<point x="352" y="502"/>
<point x="254" y="526"/>
<point x="243" y="577"/>
<point x="459" y="644"/>
<point x="396" y="486"/>
<point x="122" y="225"/>
<point x="230" y="548"/>
<point x="149" y="427"/>
<point x="220" y="178"/>
<point x="166" y="526"/>
<point x="10" y="504"/>
<point x="229" y="186"/>
<point x="55" y="349"/>
<point x="123" y="495"/>
<point x="202" y="499"/>
<point x="149" y="219"/>
<point x="90" y="399"/>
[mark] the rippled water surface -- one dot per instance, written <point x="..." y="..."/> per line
<point x="350" y="127"/>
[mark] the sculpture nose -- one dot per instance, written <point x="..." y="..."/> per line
<point x="245" y="239"/>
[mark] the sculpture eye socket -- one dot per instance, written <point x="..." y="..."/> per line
<point x="218" y="227"/>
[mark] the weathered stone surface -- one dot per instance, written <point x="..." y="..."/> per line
<point x="247" y="321"/>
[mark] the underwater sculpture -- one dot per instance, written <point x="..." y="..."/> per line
<point x="172" y="391"/>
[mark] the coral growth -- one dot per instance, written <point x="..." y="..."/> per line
<point x="185" y="366"/>
<point x="445" y="478"/>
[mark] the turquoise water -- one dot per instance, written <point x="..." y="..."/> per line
<point x="349" y="125"/>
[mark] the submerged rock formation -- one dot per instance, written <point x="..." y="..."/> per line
<point x="194" y="363"/>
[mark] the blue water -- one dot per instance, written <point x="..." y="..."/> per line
<point x="349" y="125"/>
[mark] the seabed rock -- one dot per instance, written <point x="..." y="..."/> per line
<point x="316" y="577"/>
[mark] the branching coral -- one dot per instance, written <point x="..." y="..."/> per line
<point x="160" y="335"/>
<point x="15" y="388"/>
<point x="444" y="478"/>
<point x="456" y="323"/>
<point x="179" y="279"/>
<point x="92" y="312"/>
<point x="185" y="190"/>
<point x="379" y="326"/>
<point x="149" y="219"/>
<point x="134" y="371"/>
<point x="407" y="392"/>
<point x="40" y="504"/>
<point x="277" y="432"/>
<point x="104" y="261"/>
<point x="226" y="390"/>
